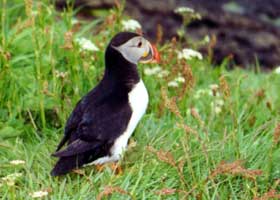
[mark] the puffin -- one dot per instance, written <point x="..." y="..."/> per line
<point x="99" y="127"/>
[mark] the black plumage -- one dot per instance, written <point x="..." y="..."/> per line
<point x="102" y="115"/>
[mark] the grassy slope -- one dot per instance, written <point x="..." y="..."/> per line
<point x="34" y="104"/>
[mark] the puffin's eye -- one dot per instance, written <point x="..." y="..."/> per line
<point x="139" y="44"/>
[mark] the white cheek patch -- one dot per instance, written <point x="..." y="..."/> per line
<point x="130" y="51"/>
<point x="131" y="54"/>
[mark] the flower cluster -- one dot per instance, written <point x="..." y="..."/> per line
<point x="157" y="70"/>
<point x="59" y="74"/>
<point x="217" y="105"/>
<point x="74" y="21"/>
<point x="183" y="10"/>
<point x="86" y="45"/>
<point x="189" y="54"/>
<point x="187" y="12"/>
<point x="11" y="178"/>
<point x="130" y="25"/>
<point x="176" y="81"/>
<point x="277" y="70"/>
<point x="217" y="102"/>
<point x="17" y="162"/>
<point x="39" y="194"/>
<point x="202" y="92"/>
<point x="161" y="73"/>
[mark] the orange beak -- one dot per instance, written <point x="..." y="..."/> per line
<point x="156" y="56"/>
<point x="152" y="56"/>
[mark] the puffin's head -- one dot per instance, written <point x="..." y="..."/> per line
<point x="134" y="48"/>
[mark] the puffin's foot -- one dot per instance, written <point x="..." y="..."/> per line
<point x="116" y="168"/>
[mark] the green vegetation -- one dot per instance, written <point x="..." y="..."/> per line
<point x="177" y="150"/>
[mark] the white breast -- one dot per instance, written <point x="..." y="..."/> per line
<point x="138" y="100"/>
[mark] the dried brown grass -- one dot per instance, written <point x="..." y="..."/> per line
<point x="68" y="40"/>
<point x="224" y="87"/>
<point x="189" y="80"/>
<point x="276" y="134"/>
<point x="235" y="168"/>
<point x="28" y="7"/>
<point x="271" y="194"/>
<point x="211" y="46"/>
<point x="168" y="158"/>
<point x="170" y="103"/>
<point x="109" y="190"/>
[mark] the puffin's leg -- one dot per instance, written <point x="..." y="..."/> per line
<point x="116" y="167"/>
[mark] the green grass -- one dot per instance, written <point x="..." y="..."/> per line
<point x="35" y="103"/>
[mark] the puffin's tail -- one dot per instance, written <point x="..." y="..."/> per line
<point x="67" y="164"/>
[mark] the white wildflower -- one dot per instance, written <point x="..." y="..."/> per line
<point x="183" y="10"/>
<point x="156" y="71"/>
<point x="10" y="182"/>
<point x="74" y="21"/>
<point x="206" y="39"/>
<point x="39" y="194"/>
<point x="180" y="79"/>
<point x="277" y="70"/>
<point x="162" y="74"/>
<point x="17" y="162"/>
<point x="173" y="84"/>
<point x="217" y="106"/>
<point x="188" y="54"/>
<point x="86" y="45"/>
<point x="197" y="16"/>
<point x="59" y="74"/>
<point x="217" y="109"/>
<point x="214" y="90"/>
<point x="152" y="71"/>
<point x="11" y="178"/>
<point x="219" y="102"/>
<point x="213" y="86"/>
<point x="201" y="92"/>
<point x="176" y="81"/>
<point x="130" y="25"/>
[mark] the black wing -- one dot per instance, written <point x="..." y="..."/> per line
<point x="96" y="122"/>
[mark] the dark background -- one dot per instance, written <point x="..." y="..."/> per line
<point x="249" y="30"/>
